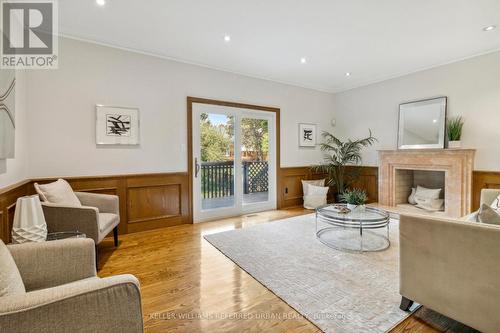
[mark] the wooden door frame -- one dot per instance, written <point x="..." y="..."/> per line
<point x="190" y="102"/>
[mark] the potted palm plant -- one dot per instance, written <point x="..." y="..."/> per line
<point x="355" y="199"/>
<point x="454" y="128"/>
<point x="338" y="155"/>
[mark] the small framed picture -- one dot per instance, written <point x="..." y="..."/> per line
<point x="117" y="125"/>
<point x="307" y="135"/>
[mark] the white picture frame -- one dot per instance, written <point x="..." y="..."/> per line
<point x="117" y="125"/>
<point x="307" y="135"/>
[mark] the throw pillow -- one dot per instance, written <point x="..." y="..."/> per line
<point x="58" y="192"/>
<point x="496" y="204"/>
<point x="11" y="282"/>
<point x="317" y="190"/>
<point x="430" y="204"/>
<point x="488" y="215"/>
<point x="315" y="182"/>
<point x="316" y="196"/>
<point x="427" y="193"/>
<point x="411" y="198"/>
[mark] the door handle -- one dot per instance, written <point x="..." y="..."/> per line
<point x="196" y="167"/>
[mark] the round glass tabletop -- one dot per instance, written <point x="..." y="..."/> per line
<point x="360" y="230"/>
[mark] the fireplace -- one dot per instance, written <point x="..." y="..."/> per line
<point x="449" y="169"/>
<point x="406" y="179"/>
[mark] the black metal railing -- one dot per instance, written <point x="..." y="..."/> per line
<point x="217" y="178"/>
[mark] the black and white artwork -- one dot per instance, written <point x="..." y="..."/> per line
<point x="307" y="135"/>
<point x="117" y="125"/>
<point x="7" y="113"/>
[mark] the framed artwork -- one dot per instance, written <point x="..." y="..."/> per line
<point x="117" y="125"/>
<point x="7" y="113"/>
<point x="307" y="135"/>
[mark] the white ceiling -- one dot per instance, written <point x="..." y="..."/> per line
<point x="372" y="39"/>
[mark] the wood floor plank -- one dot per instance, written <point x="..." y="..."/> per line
<point x="189" y="286"/>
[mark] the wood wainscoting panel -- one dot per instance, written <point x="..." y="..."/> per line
<point x="156" y="201"/>
<point x="147" y="201"/>
<point x="480" y="180"/>
<point x="153" y="202"/>
<point x="368" y="180"/>
<point x="291" y="185"/>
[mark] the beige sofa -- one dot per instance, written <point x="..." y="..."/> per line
<point x="452" y="267"/>
<point x="53" y="287"/>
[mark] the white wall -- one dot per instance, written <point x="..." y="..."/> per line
<point x="473" y="90"/>
<point x="16" y="169"/>
<point x="62" y="110"/>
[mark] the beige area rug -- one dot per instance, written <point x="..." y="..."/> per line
<point x="338" y="291"/>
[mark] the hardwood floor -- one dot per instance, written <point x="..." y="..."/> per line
<point x="189" y="286"/>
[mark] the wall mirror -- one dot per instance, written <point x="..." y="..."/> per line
<point x="422" y="124"/>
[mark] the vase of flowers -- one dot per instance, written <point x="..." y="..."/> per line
<point x="355" y="199"/>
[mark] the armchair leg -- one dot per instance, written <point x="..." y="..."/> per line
<point x="405" y="304"/>
<point x="115" y="235"/>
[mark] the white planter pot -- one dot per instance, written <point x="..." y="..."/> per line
<point x="454" y="144"/>
<point x="358" y="208"/>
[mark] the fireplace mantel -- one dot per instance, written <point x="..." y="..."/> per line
<point x="458" y="165"/>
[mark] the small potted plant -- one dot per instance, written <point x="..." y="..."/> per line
<point x="355" y="199"/>
<point x="454" y="129"/>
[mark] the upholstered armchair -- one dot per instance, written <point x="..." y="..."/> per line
<point x="96" y="218"/>
<point x="488" y="195"/>
<point x="52" y="287"/>
<point x="451" y="266"/>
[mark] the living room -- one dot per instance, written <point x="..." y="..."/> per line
<point x="263" y="166"/>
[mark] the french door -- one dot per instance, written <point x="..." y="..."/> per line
<point x="234" y="157"/>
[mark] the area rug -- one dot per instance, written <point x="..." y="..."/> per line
<point x="338" y="291"/>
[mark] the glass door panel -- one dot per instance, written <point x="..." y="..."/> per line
<point x="217" y="160"/>
<point x="234" y="156"/>
<point x="255" y="159"/>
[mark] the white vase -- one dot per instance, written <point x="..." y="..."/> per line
<point x="455" y="144"/>
<point x="29" y="222"/>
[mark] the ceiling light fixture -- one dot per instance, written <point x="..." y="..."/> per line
<point x="100" y="2"/>
<point x="490" y="28"/>
<point x="303" y="60"/>
<point x="227" y="38"/>
<point x="348" y="74"/>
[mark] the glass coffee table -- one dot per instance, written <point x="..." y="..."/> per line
<point x="360" y="230"/>
<point x="64" y="235"/>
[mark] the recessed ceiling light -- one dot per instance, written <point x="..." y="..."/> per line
<point x="227" y="38"/>
<point x="490" y="27"/>
<point x="348" y="74"/>
<point x="100" y="2"/>
<point x="434" y="121"/>
<point x="303" y="60"/>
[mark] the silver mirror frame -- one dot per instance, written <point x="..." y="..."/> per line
<point x="442" y="126"/>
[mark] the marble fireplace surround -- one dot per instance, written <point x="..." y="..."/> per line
<point x="458" y="165"/>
